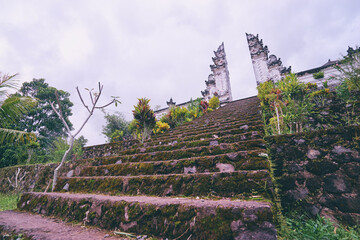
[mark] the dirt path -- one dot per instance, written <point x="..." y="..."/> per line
<point x="44" y="228"/>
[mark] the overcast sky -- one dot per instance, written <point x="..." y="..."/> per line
<point x="162" y="48"/>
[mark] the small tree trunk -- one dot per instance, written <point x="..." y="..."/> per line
<point x="56" y="172"/>
<point x="30" y="151"/>
<point x="277" y="118"/>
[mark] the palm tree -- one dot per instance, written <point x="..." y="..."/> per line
<point x="12" y="107"/>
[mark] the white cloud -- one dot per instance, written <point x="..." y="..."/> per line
<point x="75" y="46"/>
<point x="161" y="49"/>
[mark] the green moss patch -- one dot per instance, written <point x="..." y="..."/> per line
<point x="239" y="160"/>
<point x="235" y="184"/>
<point x="209" y="220"/>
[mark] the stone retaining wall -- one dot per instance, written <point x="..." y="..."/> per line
<point x="318" y="172"/>
<point x="36" y="177"/>
<point x="107" y="149"/>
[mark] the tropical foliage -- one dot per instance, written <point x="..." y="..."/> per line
<point x="179" y="115"/>
<point x="286" y="104"/>
<point x="349" y="76"/>
<point x="145" y="118"/>
<point x="12" y="108"/>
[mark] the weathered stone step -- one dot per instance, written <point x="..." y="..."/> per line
<point x="171" y="218"/>
<point x="14" y="224"/>
<point x="216" y="126"/>
<point x="214" y="149"/>
<point x="235" y="129"/>
<point x="203" y="136"/>
<point x="116" y="148"/>
<point x="239" y="184"/>
<point x="218" y="163"/>
<point x="215" y="140"/>
<point x="220" y="120"/>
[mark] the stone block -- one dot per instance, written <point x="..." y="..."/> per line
<point x="336" y="184"/>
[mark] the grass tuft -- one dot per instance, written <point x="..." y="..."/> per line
<point x="320" y="228"/>
<point x="8" y="201"/>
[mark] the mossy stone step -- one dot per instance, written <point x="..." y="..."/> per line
<point x="212" y="126"/>
<point x="118" y="147"/>
<point x="239" y="184"/>
<point x="212" y="149"/>
<point x="160" y="217"/>
<point x="230" y="138"/>
<point x="245" y="127"/>
<point x="227" y="114"/>
<point x="203" y="136"/>
<point x="219" y="163"/>
<point x="205" y="121"/>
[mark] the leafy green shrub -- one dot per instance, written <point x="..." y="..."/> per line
<point x="318" y="75"/>
<point x="161" y="127"/>
<point x="116" y="127"/>
<point x="194" y="109"/>
<point x="320" y="96"/>
<point x="214" y="102"/>
<point x="177" y="116"/>
<point x="61" y="144"/>
<point x="286" y="104"/>
<point x="133" y="129"/>
<point x="349" y="76"/>
<point x="116" y="136"/>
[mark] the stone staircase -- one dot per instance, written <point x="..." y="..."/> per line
<point x="207" y="179"/>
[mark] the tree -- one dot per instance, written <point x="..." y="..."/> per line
<point x="116" y="127"/>
<point x="12" y="154"/>
<point x="42" y="119"/>
<point x="145" y="118"/>
<point x="94" y="97"/>
<point x="61" y="144"/>
<point x="12" y="107"/>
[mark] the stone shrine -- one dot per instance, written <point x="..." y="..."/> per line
<point x="218" y="83"/>
<point x="269" y="67"/>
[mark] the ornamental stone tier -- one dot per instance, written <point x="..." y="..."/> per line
<point x="265" y="67"/>
<point x="218" y="83"/>
<point x="269" y="67"/>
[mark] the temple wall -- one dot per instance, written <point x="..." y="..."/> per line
<point x="328" y="74"/>
<point x="318" y="172"/>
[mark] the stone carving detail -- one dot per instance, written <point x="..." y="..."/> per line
<point x="171" y="102"/>
<point x="211" y="80"/>
<point x="256" y="46"/>
<point x="273" y="61"/>
<point x="218" y="83"/>
<point x="265" y="67"/>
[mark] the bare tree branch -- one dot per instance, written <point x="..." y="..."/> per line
<point x="106" y="104"/>
<point x="91" y="97"/>
<point x="61" y="117"/>
<point x="77" y="89"/>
